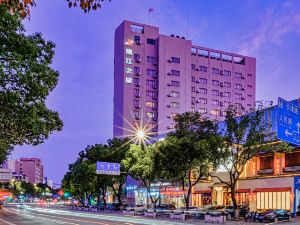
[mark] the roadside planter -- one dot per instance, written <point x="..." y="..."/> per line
<point x="150" y="213"/>
<point x="215" y="218"/>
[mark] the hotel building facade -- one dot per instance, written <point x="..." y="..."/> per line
<point x="157" y="77"/>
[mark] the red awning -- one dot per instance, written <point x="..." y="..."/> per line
<point x="243" y="191"/>
<point x="273" y="189"/>
<point x="208" y="191"/>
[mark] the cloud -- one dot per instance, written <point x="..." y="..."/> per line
<point x="278" y="21"/>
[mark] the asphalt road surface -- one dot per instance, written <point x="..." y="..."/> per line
<point x="49" y="216"/>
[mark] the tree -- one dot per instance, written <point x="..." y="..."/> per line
<point x="245" y="135"/>
<point x="22" y="7"/>
<point x="26" y="79"/>
<point x="86" y="5"/>
<point x="187" y="156"/>
<point x="140" y="161"/>
<point x="80" y="181"/>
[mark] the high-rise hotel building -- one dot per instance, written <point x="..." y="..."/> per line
<point x="158" y="76"/>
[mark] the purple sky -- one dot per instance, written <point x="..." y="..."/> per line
<point x="268" y="30"/>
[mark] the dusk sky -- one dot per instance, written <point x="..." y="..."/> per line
<point x="267" y="30"/>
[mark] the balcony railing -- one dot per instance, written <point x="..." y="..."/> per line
<point x="291" y="169"/>
<point x="266" y="172"/>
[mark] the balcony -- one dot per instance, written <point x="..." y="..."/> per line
<point x="266" y="172"/>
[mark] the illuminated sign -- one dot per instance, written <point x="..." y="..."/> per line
<point x="129" y="42"/>
<point x="128" y="80"/>
<point x="128" y="51"/>
<point x="128" y="61"/>
<point x="107" y="168"/>
<point x="128" y="70"/>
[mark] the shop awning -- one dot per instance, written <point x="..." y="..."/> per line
<point x="273" y="189"/>
<point x="207" y="191"/>
<point x="243" y="191"/>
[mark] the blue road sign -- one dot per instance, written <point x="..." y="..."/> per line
<point x="107" y="168"/>
<point x="288" y="122"/>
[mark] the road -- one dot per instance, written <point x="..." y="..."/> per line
<point x="49" y="216"/>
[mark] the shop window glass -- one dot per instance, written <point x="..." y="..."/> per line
<point x="274" y="200"/>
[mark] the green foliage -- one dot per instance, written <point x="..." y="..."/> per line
<point x="245" y="134"/>
<point x="26" y="79"/>
<point x="189" y="154"/>
<point x="86" y="5"/>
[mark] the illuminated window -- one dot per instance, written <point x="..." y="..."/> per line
<point x="150" y="115"/>
<point x="203" y="111"/>
<point x="273" y="200"/>
<point x="175" y="94"/>
<point x="150" y="104"/>
<point x="174" y="104"/>
<point x="203" y="100"/>
<point x="214" y="112"/>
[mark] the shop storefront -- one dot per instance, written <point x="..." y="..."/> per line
<point x="202" y="198"/>
<point x="269" y="193"/>
<point x="172" y="195"/>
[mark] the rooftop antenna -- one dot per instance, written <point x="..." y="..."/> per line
<point x="187" y="24"/>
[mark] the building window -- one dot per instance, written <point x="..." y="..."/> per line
<point x="249" y="86"/>
<point x="193" y="67"/>
<point x="215" y="92"/>
<point x="136" y="102"/>
<point x="249" y="75"/>
<point x="151" y="72"/>
<point x="238" y="86"/>
<point x="203" y="81"/>
<point x="193" y="109"/>
<point x="193" y="100"/>
<point x="238" y="96"/>
<point x="273" y="200"/>
<point x="136" y="91"/>
<point x="150" y="82"/>
<point x="215" y="71"/>
<point x="203" y="100"/>
<point x="136" y="80"/>
<point x="266" y="162"/>
<point x="150" y="114"/>
<point x="137" y="57"/>
<point x="227" y="84"/>
<point x="215" y="82"/>
<point x="136" y="113"/>
<point x="215" y="102"/>
<point x="227" y="73"/>
<point x="214" y="112"/>
<point x="238" y="75"/>
<point x="150" y="104"/>
<point x="136" y="70"/>
<point x="151" y="41"/>
<point x="239" y="105"/>
<point x="150" y="93"/>
<point x="137" y="39"/>
<point x="194" y="51"/>
<point x="193" y="89"/>
<point x="151" y="59"/>
<point x="193" y="79"/>
<point x="226" y="94"/>
<point x="175" y="73"/>
<point x="203" y="68"/>
<point x="175" y="94"/>
<point x="250" y="96"/>
<point x="173" y="115"/>
<point x="175" y="83"/>
<point x="292" y="159"/>
<point x="174" y="104"/>
<point x="175" y="60"/>
<point x="203" y="90"/>
<point x="203" y="111"/>
<point x="137" y="28"/>
<point x="226" y="104"/>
